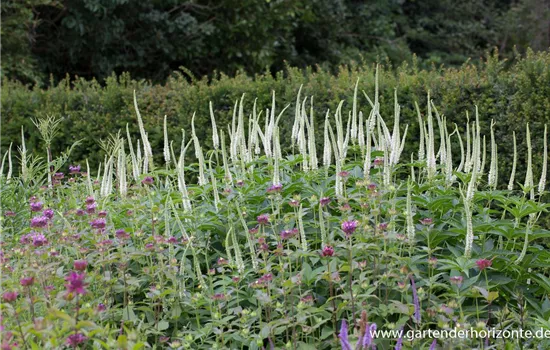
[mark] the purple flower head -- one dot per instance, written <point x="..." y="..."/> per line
<point x="343" y="174"/>
<point x="263" y="219"/>
<point x="345" y="207"/>
<point x="457" y="280"/>
<point x="10" y="296"/>
<point x="101" y="307"/>
<point x="75" y="339"/>
<point x="240" y="183"/>
<point x="149" y="246"/>
<point x="58" y="176"/>
<point x="415" y="301"/>
<point x="399" y="344"/>
<point x="327" y="251"/>
<point x="324" y="201"/>
<point x="90" y="208"/>
<point x="433" y="346"/>
<point x="75" y="283"/>
<point x="172" y="240"/>
<point x="9" y="213"/>
<point x="148" y="180"/>
<point x="80" y="265"/>
<point x="38" y="240"/>
<point x="275" y="188"/>
<point x="80" y="212"/>
<point x="349" y="226"/>
<point x="74" y="169"/>
<point x="343" y="335"/>
<point x="106" y="242"/>
<point x="121" y="234"/>
<point x="427" y="221"/>
<point x="286" y="234"/>
<point x="378" y="161"/>
<point x="39" y="221"/>
<point x="218" y="296"/>
<point x="27" y="281"/>
<point x="36" y="206"/>
<point x="369" y="335"/>
<point x="48" y="213"/>
<point x="98" y="223"/>
<point x="26" y="239"/>
<point x="102" y="214"/>
<point x="90" y="200"/>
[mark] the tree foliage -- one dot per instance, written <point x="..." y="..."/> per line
<point x="151" y="39"/>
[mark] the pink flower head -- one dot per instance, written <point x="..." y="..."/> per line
<point x="10" y="296"/>
<point x="327" y="251"/>
<point x="27" y="281"/>
<point x="482" y="264"/>
<point x="75" y="339"/>
<point x="349" y="226"/>
<point x="263" y="219"/>
<point x="294" y="203"/>
<point x="90" y="200"/>
<point x="266" y="278"/>
<point x="253" y="230"/>
<point x="36" y="206"/>
<point x="343" y="174"/>
<point x="148" y="180"/>
<point x="378" y="161"/>
<point x="75" y="283"/>
<point x="98" y="223"/>
<point x="80" y="265"/>
<point x="9" y="213"/>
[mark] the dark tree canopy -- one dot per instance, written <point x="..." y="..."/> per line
<point x="150" y="39"/>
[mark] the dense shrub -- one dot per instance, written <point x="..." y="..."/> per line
<point x="512" y="96"/>
<point x="268" y="251"/>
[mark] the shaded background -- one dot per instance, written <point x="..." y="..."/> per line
<point x="45" y="40"/>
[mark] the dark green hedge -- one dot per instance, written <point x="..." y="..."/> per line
<point x="511" y="94"/>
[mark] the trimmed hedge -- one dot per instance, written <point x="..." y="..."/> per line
<point x="512" y="94"/>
